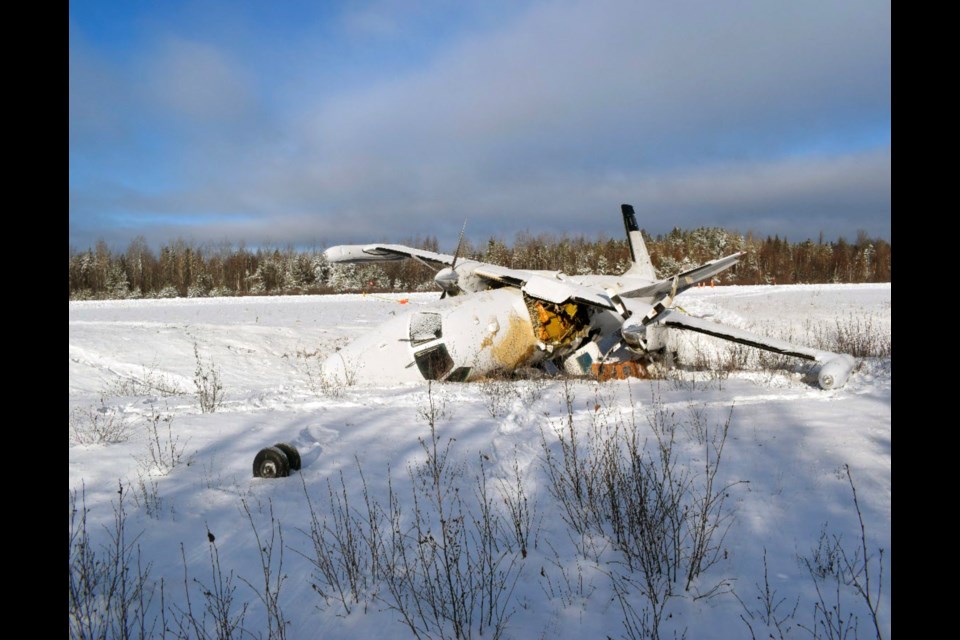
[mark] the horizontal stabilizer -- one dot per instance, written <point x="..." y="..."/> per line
<point x="686" y="279"/>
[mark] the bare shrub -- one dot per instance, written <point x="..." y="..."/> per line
<point x="211" y="475"/>
<point x="146" y="495"/>
<point x="346" y="546"/>
<point x="270" y="549"/>
<point x="206" y="379"/>
<point x="860" y="336"/>
<point x="99" y="425"/>
<point x="110" y="596"/>
<point x="447" y="567"/>
<point x="844" y="570"/>
<point x="639" y="623"/>
<point x="150" y="382"/>
<point x="530" y="383"/>
<point x="831" y="618"/>
<point x="451" y="572"/>
<point x="499" y="393"/>
<point x="521" y="514"/>
<point x="706" y="370"/>
<point x="165" y="451"/>
<point x="736" y="357"/>
<point x="319" y="382"/>
<point x="331" y="386"/>
<point x="573" y="479"/>
<point x="221" y="618"/>
<point x="569" y="587"/>
<point x="768" y="616"/>
<point x="619" y="483"/>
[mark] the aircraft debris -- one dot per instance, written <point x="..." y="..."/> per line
<point x="492" y="319"/>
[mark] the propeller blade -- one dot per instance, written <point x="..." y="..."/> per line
<point x="453" y="266"/>
<point x="456" y="254"/>
<point x="661" y="306"/>
<point x="426" y="264"/>
<point x="653" y="313"/>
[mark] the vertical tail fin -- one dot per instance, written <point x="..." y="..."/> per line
<point x="640" y="260"/>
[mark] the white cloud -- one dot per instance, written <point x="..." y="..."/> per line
<point x="694" y="111"/>
<point x="198" y="80"/>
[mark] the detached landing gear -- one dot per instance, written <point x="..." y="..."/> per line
<point x="276" y="461"/>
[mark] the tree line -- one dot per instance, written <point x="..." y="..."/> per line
<point x="185" y="269"/>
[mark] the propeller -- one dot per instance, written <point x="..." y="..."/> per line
<point x="447" y="278"/>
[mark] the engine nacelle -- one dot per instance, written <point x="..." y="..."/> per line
<point x="643" y="338"/>
<point x="835" y="371"/>
<point x="635" y="335"/>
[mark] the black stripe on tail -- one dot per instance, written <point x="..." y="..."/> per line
<point x="630" y="224"/>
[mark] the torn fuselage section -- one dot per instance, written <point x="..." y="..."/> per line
<point x="558" y="327"/>
<point x="494" y="331"/>
<point x="464" y="338"/>
<point x="571" y="333"/>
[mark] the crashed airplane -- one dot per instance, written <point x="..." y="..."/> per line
<point x="492" y="319"/>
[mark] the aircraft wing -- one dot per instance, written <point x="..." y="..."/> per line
<point x="686" y="279"/>
<point x="532" y="283"/>
<point x="560" y="292"/>
<point x="384" y="253"/>
<point x="834" y="369"/>
<point x="544" y="287"/>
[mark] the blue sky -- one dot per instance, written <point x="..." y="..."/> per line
<point x="316" y="123"/>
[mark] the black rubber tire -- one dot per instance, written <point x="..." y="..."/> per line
<point x="271" y="463"/>
<point x="292" y="455"/>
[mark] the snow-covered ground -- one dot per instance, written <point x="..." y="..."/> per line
<point x="787" y="496"/>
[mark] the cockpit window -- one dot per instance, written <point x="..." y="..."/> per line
<point x="434" y="362"/>
<point x="425" y="327"/>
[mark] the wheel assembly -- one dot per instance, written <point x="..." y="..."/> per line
<point x="293" y="456"/>
<point x="271" y="462"/>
